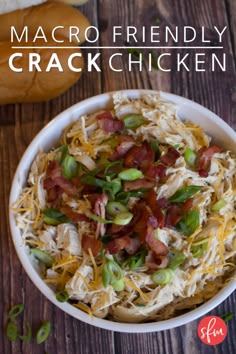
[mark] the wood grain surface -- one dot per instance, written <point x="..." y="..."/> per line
<point x="19" y="123"/>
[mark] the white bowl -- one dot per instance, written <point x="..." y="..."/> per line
<point x="211" y="123"/>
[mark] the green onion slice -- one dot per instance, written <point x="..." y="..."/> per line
<point x="184" y="193"/>
<point x="28" y="336"/>
<point x="122" y="218"/>
<point x="118" y="285"/>
<point x="136" y="261"/>
<point x="110" y="165"/>
<point x="176" y="258"/>
<point x="189" y="223"/>
<point x="53" y="216"/>
<point x="228" y="316"/>
<point x="43" y="257"/>
<point x="11" y="331"/>
<point x="16" y="311"/>
<point x="97" y="218"/>
<point x="134" y="121"/>
<point x="197" y="251"/>
<point x="190" y="157"/>
<point x="43" y="332"/>
<point x="62" y="296"/>
<point x="131" y="174"/>
<point x="70" y="167"/>
<point x="218" y="205"/>
<point x="114" y="208"/>
<point x="163" y="276"/>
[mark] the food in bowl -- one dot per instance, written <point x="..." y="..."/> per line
<point x="131" y="216"/>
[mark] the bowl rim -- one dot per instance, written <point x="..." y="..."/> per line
<point x="31" y="271"/>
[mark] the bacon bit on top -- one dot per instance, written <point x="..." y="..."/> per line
<point x="138" y="183"/>
<point x="156" y="262"/>
<point x="126" y="142"/>
<point x="140" y="156"/>
<point x="157" y="246"/>
<point x="108" y="124"/>
<point x="54" y="178"/>
<point x="118" y="244"/>
<point x="92" y="243"/>
<point x="73" y="215"/>
<point x="204" y="157"/>
<point x="170" y="157"/>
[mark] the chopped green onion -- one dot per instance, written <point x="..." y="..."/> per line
<point x="218" y="205"/>
<point x="134" y="121"/>
<point x="112" y="274"/>
<point x="11" y="331"/>
<point x="197" y="251"/>
<point x="136" y="261"/>
<point x="123" y="197"/>
<point x="64" y="152"/>
<point x="62" y="296"/>
<point x="97" y="218"/>
<point x="122" y="218"/>
<point x="53" y="216"/>
<point x="163" y="276"/>
<point x="131" y="174"/>
<point x="118" y="285"/>
<point x="69" y="167"/>
<point x="15" y="311"/>
<point x="227" y="317"/>
<point x="110" y="165"/>
<point x="190" y="157"/>
<point x="176" y="258"/>
<point x="184" y="193"/>
<point x="114" y="208"/>
<point x="189" y="223"/>
<point x="43" y="257"/>
<point x="28" y="336"/>
<point x="43" y="332"/>
<point x="155" y="147"/>
<point x="105" y="239"/>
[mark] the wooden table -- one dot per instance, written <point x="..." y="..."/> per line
<point x="19" y="123"/>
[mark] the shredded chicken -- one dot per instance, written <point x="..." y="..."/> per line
<point x="78" y="269"/>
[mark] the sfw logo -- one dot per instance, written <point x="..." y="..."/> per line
<point x="212" y="330"/>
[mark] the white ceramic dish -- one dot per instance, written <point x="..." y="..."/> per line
<point x="212" y="124"/>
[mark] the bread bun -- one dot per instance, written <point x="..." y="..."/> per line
<point x="35" y="86"/>
<point x="8" y="6"/>
<point x="72" y="2"/>
<point x="48" y="16"/>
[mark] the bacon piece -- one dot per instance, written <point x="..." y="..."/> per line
<point x="157" y="206"/>
<point x="140" y="156"/>
<point x="205" y="155"/>
<point x="173" y="215"/>
<point x="54" y="178"/>
<point x="203" y="173"/>
<point x="126" y="142"/>
<point x="170" y="157"/>
<point x="118" y="244"/>
<point x="100" y="211"/>
<point x="104" y="115"/>
<point x="157" y="246"/>
<point x="108" y="124"/>
<point x="133" y="246"/>
<point x="156" y="171"/>
<point x="139" y="183"/>
<point x="92" y="243"/>
<point x="187" y="204"/>
<point x="54" y="194"/>
<point x="73" y="215"/>
<point x="140" y="226"/>
<point x="156" y="262"/>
